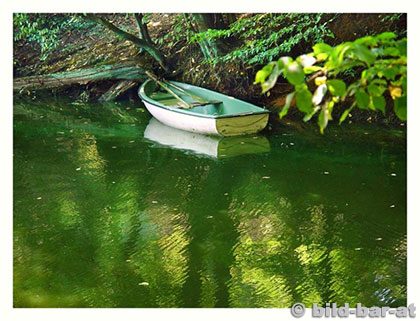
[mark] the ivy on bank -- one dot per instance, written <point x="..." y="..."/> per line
<point x="269" y="35"/>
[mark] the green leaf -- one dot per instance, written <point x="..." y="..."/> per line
<point x="322" y="51"/>
<point x="400" y="107"/>
<point x="364" y="54"/>
<point x="391" y="51"/>
<point x="311" y="114"/>
<point x="404" y="83"/>
<point x="294" y="73"/>
<point x="263" y="73"/>
<point x="319" y="94"/>
<point x="337" y="87"/>
<point x="375" y="90"/>
<point x="378" y="103"/>
<point x="389" y="72"/>
<point x="402" y="46"/>
<point x="323" y="118"/>
<point x="286" y="107"/>
<point x="362" y="99"/>
<point x="283" y="61"/>
<point x="369" y="73"/>
<point x="272" y="79"/>
<point x="304" y="100"/>
<point x="367" y="41"/>
<point x="337" y="55"/>
<point x="386" y="36"/>
<point x="346" y="113"/>
<point x="311" y="69"/>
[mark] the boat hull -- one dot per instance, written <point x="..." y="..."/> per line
<point x="226" y="126"/>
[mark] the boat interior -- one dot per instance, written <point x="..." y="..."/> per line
<point x="227" y="106"/>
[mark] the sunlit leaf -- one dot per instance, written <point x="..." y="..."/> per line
<point x="263" y="73"/>
<point x="311" y="69"/>
<point x="272" y="79"/>
<point x="367" y="41"/>
<point x="345" y="114"/>
<point x="322" y="51"/>
<point x="320" y="80"/>
<point x="386" y="36"/>
<point x="319" y="94"/>
<point x="306" y="60"/>
<point x="395" y="91"/>
<point x="283" y="61"/>
<point x="323" y="118"/>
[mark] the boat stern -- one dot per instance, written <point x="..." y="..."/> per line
<point x="241" y="124"/>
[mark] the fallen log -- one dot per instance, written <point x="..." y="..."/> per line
<point x="84" y="76"/>
<point x="117" y="89"/>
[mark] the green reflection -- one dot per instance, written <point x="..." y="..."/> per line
<point x="105" y="217"/>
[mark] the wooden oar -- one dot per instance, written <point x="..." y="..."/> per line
<point x="201" y="101"/>
<point x="164" y="86"/>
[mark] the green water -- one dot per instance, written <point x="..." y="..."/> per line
<point x="105" y="217"/>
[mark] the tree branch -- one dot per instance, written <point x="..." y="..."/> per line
<point x="153" y="51"/>
<point x="144" y="32"/>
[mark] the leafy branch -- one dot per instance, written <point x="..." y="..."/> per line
<point x="382" y="58"/>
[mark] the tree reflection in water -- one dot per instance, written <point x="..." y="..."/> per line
<point x="106" y="218"/>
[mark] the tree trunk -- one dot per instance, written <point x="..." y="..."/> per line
<point x="142" y="43"/>
<point x="204" y="21"/>
<point x="144" y="32"/>
<point x="230" y="18"/>
<point x="122" y="72"/>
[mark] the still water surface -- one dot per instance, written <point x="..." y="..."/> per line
<point x="113" y="209"/>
